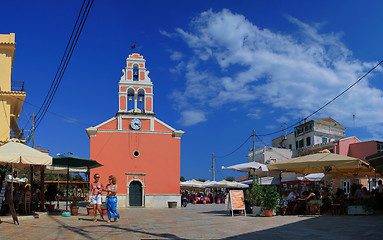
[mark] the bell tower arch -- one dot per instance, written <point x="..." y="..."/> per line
<point x="135" y="89"/>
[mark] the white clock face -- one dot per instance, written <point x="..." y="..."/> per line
<point x="136" y="123"/>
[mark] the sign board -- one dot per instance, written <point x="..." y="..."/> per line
<point x="236" y="201"/>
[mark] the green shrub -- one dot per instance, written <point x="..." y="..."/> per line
<point x="254" y="195"/>
<point x="270" y="198"/>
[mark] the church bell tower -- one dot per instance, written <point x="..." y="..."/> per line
<point x="135" y="89"/>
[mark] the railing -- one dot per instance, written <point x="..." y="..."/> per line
<point x="17" y="86"/>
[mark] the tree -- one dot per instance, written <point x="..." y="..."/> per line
<point x="230" y="179"/>
<point x="78" y="178"/>
<point x="182" y="179"/>
<point x="202" y="180"/>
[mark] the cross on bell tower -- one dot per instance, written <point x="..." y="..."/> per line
<point x="135" y="87"/>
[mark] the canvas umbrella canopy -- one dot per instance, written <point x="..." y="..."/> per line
<point x="236" y="185"/>
<point x="247" y="167"/>
<point x="64" y="170"/>
<point x="214" y="184"/>
<point x="376" y="160"/>
<point x="69" y="160"/>
<point x="328" y="163"/>
<point x="17" y="153"/>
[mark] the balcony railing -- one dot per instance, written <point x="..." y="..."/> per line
<point x="17" y="86"/>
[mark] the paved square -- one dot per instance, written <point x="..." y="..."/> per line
<point x="193" y="222"/>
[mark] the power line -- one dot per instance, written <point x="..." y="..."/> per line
<point x="67" y="56"/>
<point x="325" y="105"/>
<point x="260" y="139"/>
<point x="235" y="149"/>
<point x="65" y="118"/>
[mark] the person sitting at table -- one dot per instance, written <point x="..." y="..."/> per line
<point x="326" y="199"/>
<point x="292" y="199"/>
<point x="283" y="203"/>
<point x="311" y="196"/>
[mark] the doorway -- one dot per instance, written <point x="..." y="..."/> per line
<point x="135" y="194"/>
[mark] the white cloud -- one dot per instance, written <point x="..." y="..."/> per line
<point x="176" y="56"/>
<point x="297" y="73"/>
<point x="192" y="117"/>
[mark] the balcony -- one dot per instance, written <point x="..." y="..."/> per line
<point x="17" y="86"/>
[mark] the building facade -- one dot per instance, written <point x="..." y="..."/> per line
<point x="12" y="94"/>
<point x="139" y="149"/>
<point x="266" y="155"/>
<point x="311" y="135"/>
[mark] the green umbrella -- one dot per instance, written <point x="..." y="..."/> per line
<point x="71" y="160"/>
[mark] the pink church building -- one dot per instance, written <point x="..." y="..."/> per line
<point x="139" y="149"/>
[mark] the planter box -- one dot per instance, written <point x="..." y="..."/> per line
<point x="173" y="204"/>
<point x="257" y="210"/>
<point x="358" y="210"/>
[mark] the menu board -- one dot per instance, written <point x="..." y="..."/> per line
<point x="236" y="201"/>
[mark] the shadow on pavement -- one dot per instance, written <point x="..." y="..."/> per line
<point x="82" y="231"/>
<point x="348" y="227"/>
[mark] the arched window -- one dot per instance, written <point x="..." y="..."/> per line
<point x="141" y="101"/>
<point x="135" y="72"/>
<point x="130" y="100"/>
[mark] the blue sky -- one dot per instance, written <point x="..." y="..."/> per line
<point x="220" y="69"/>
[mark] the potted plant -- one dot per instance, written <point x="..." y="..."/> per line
<point x="314" y="206"/>
<point x="89" y="209"/>
<point x="103" y="209"/>
<point x="50" y="195"/>
<point x="74" y="205"/>
<point x="270" y="200"/>
<point x="254" y="196"/>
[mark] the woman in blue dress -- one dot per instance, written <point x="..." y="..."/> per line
<point x="111" y="199"/>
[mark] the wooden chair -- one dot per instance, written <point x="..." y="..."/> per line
<point x="27" y="203"/>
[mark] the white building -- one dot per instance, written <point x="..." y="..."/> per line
<point x="318" y="131"/>
<point x="268" y="155"/>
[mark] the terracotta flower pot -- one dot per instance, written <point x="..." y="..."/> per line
<point x="204" y="201"/>
<point x="218" y="201"/>
<point x="104" y="212"/>
<point x="90" y="211"/>
<point x="74" y="210"/>
<point x="268" y="213"/>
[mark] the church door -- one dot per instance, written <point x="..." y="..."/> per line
<point x="135" y="194"/>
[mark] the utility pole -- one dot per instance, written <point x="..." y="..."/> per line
<point x="253" y="145"/>
<point x="33" y="130"/>
<point x="213" y="167"/>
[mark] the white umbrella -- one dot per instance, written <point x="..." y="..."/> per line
<point x="314" y="177"/>
<point x="258" y="168"/>
<point x="64" y="170"/>
<point x="18" y="153"/>
<point x="214" y="184"/>
<point x="236" y="185"/>
<point x="191" y="184"/>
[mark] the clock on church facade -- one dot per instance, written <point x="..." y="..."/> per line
<point x="139" y="149"/>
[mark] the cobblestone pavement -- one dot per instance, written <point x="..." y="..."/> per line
<point x="193" y="222"/>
